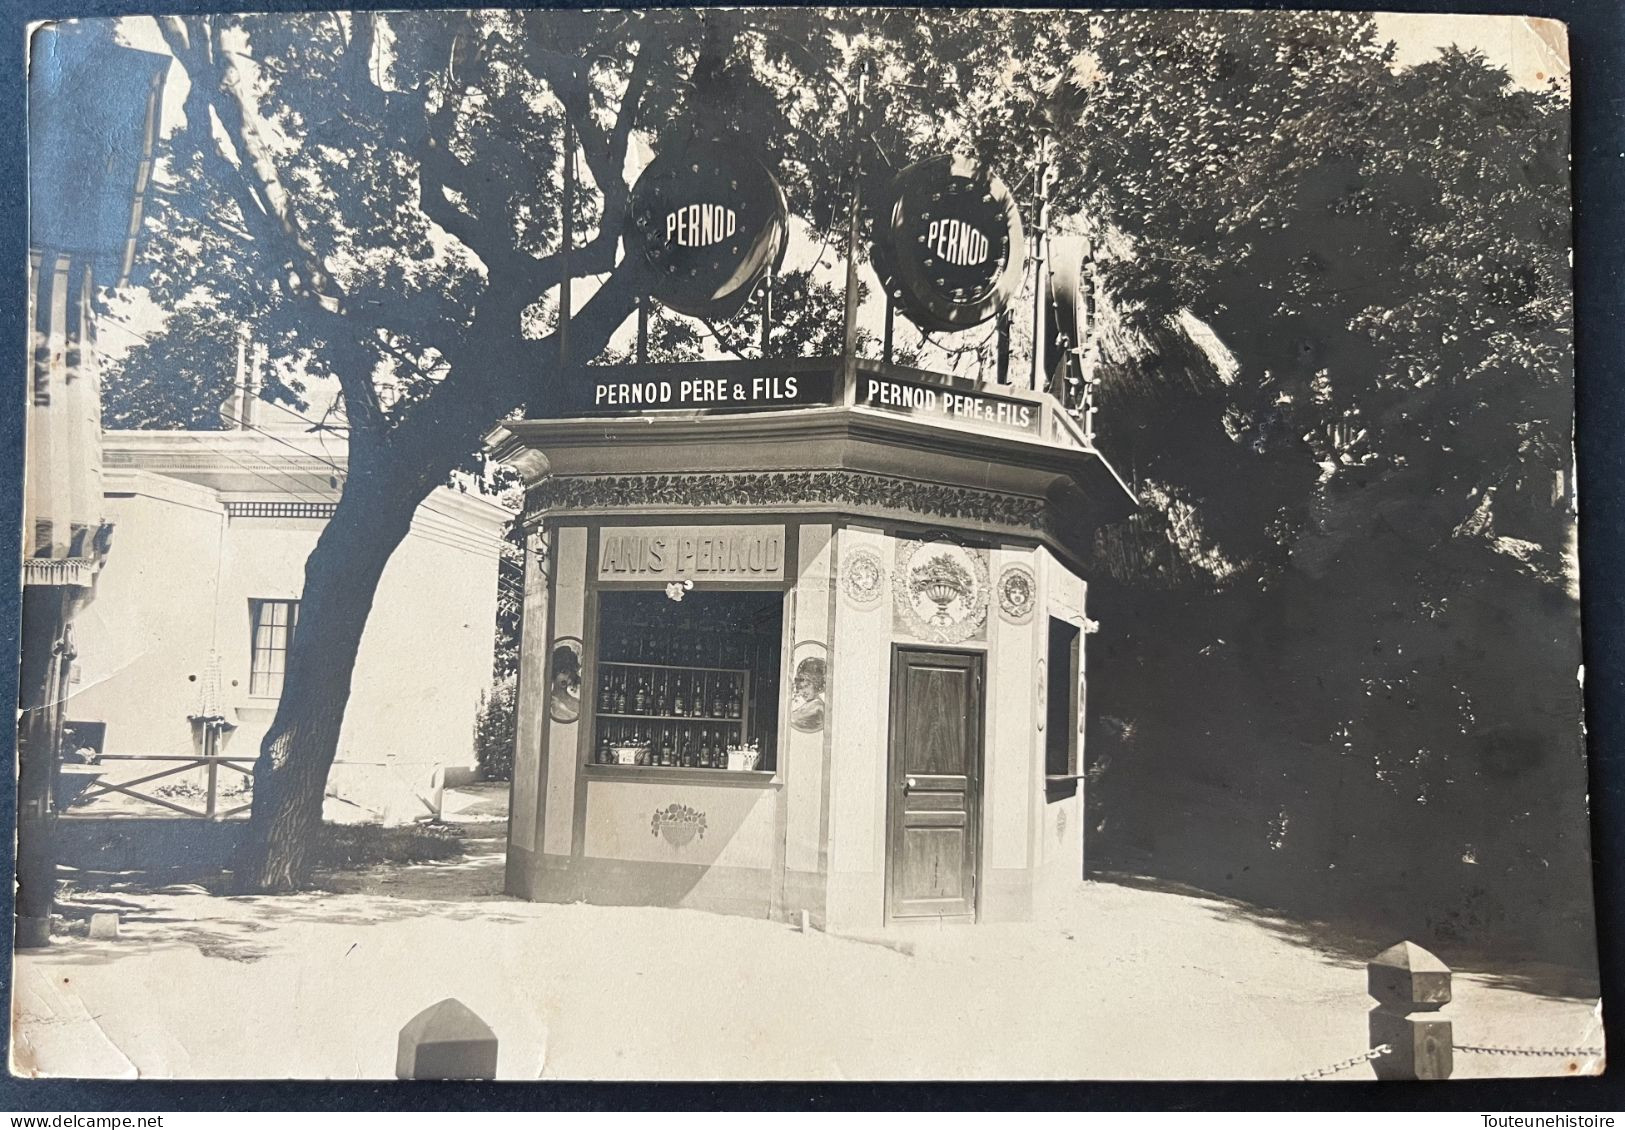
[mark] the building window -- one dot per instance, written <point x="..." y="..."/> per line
<point x="690" y="684"/>
<point x="1061" y="718"/>
<point x="274" y="623"/>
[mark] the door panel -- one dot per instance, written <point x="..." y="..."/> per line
<point x="934" y="783"/>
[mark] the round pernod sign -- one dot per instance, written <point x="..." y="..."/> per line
<point x="949" y="247"/>
<point x="708" y="220"/>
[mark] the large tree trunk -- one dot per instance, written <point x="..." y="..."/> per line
<point x="383" y="491"/>
<point x="341" y="577"/>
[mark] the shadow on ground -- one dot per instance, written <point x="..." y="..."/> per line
<point x="451" y="871"/>
<point x="1352" y="943"/>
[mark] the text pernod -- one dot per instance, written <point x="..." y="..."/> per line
<point x="715" y="553"/>
<point x="700" y="225"/>
<point x="957" y="243"/>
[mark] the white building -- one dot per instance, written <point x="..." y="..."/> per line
<point x="200" y="594"/>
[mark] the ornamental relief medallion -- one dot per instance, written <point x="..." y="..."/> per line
<point x="940" y="591"/>
<point x="1042" y="692"/>
<point x="863" y="577"/>
<point x="678" y="824"/>
<point x="1018" y="593"/>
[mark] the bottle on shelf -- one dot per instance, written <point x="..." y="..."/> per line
<point x="665" y="747"/>
<point x="640" y="696"/>
<point x="606" y="692"/>
<point x="678" y="700"/>
<point x="734" y="702"/>
<point x="696" y="701"/>
<point x="660" y="699"/>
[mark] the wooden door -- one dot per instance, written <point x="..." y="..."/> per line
<point x="935" y="783"/>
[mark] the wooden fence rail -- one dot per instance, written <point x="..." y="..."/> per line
<point x="182" y="763"/>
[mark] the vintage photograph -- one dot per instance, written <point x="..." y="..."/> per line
<point x="801" y="544"/>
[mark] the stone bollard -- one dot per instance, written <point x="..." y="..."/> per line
<point x="446" y="1041"/>
<point x="1406" y="979"/>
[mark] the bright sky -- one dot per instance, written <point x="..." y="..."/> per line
<point x="1532" y="50"/>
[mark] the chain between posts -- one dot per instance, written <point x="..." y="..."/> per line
<point x="1483" y="1049"/>
<point x="1570" y="1053"/>
<point x="1410" y="986"/>
<point x="1344" y="1064"/>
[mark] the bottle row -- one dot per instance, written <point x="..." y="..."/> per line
<point x="686" y="646"/>
<point x="680" y="745"/>
<point x="665" y="693"/>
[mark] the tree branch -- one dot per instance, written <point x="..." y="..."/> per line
<point x="605" y="153"/>
<point x="439" y="170"/>
<point x="218" y="88"/>
<point x="251" y="183"/>
<point x="493" y="373"/>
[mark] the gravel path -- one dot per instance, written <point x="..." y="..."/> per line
<point x="1124" y="983"/>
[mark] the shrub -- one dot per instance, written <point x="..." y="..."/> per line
<point x="349" y="847"/>
<point x="494" y="730"/>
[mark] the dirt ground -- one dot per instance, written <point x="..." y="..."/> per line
<point x="1121" y="983"/>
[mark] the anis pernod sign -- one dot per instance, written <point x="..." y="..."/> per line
<point x="948" y="244"/>
<point x="708" y="221"/>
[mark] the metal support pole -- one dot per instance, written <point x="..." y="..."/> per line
<point x="849" y="337"/>
<point x="1038" y="377"/>
<point x="567" y="240"/>
<point x="890" y="312"/>
<point x="643" y="329"/>
<point x="1002" y="369"/>
<point x="767" y="311"/>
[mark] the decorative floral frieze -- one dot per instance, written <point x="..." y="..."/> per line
<point x="759" y="489"/>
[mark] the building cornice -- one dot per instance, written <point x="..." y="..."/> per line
<point x="849" y="460"/>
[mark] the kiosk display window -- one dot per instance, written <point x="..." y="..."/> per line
<point x="689" y="684"/>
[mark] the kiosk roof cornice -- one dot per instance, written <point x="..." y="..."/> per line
<point x="848" y="460"/>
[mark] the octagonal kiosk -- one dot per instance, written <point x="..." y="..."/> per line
<point x="821" y="652"/>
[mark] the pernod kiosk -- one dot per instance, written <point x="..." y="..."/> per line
<point x="806" y="635"/>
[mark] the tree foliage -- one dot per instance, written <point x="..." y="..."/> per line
<point x="1368" y="520"/>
